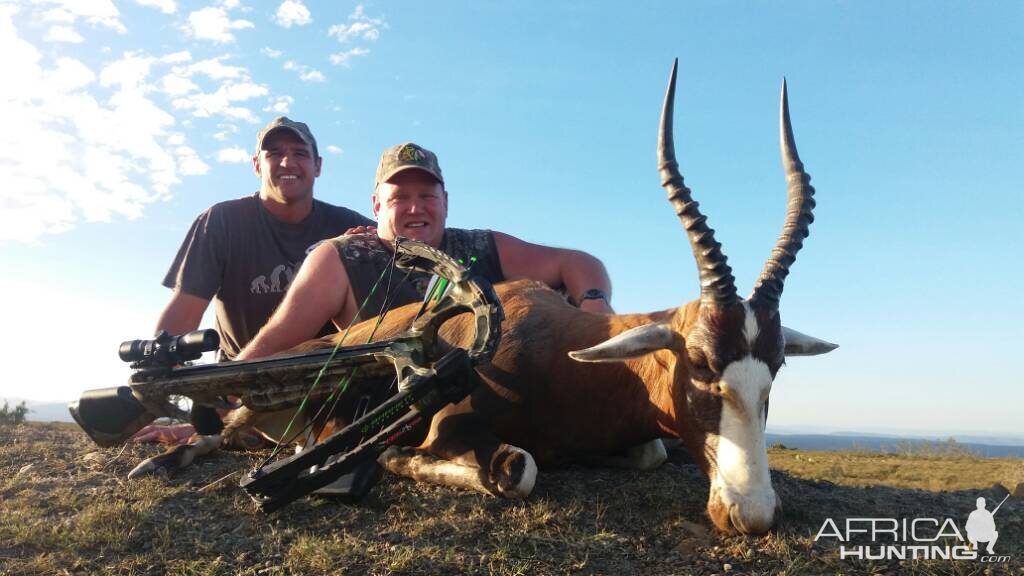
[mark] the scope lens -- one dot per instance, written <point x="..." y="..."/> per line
<point x="131" y="350"/>
<point x="192" y="345"/>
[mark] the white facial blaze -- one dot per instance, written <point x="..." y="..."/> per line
<point x="742" y="478"/>
<point x="750" y="327"/>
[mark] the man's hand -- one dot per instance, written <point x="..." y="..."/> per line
<point x="169" y="435"/>
<point x="361" y="230"/>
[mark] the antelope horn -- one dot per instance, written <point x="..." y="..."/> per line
<point x="717" y="285"/>
<point x="799" y="214"/>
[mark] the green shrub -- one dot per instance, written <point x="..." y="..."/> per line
<point x="15" y="415"/>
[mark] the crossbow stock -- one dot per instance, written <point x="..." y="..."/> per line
<point x="429" y="376"/>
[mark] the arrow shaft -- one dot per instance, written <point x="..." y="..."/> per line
<point x="1000" y="505"/>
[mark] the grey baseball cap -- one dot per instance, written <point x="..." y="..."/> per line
<point x="404" y="157"/>
<point x="284" y="123"/>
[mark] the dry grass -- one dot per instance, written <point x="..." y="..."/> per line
<point x="945" y="467"/>
<point x="62" y="513"/>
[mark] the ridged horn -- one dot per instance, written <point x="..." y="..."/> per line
<point x="799" y="214"/>
<point x="717" y="285"/>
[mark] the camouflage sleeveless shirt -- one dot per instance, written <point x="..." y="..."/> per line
<point x="365" y="257"/>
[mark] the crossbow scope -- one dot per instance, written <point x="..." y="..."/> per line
<point x="166" y="351"/>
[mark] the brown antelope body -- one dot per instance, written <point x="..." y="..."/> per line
<point x="567" y="385"/>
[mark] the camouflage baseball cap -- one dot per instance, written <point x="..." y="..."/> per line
<point x="284" y="123"/>
<point x="404" y="157"/>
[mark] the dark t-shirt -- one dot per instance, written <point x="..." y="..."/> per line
<point x="245" y="259"/>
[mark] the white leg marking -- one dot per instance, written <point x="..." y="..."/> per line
<point x="646" y="456"/>
<point x="424" y="467"/>
<point x="529" y="478"/>
<point x="649" y="455"/>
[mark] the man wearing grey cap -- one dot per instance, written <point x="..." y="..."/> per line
<point x="245" y="253"/>
<point x="410" y="200"/>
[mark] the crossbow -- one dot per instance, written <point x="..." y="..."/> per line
<point x="429" y="374"/>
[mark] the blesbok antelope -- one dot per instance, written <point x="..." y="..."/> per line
<point x="565" y="384"/>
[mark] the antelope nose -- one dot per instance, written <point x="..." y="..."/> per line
<point x="753" y="517"/>
<point x="750" y="525"/>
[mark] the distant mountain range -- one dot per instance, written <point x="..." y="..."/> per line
<point x="882" y="443"/>
<point x="985" y="445"/>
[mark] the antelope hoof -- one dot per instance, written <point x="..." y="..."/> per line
<point x="159" y="464"/>
<point x="176" y="457"/>
<point x="513" y="472"/>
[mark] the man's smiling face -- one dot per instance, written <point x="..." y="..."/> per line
<point x="413" y="204"/>
<point x="287" y="167"/>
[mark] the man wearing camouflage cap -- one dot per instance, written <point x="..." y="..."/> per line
<point x="244" y="253"/>
<point x="410" y="200"/>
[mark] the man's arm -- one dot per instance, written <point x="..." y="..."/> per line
<point x="318" y="293"/>
<point x="574" y="270"/>
<point x="183" y="313"/>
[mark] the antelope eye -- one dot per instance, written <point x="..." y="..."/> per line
<point x="700" y="369"/>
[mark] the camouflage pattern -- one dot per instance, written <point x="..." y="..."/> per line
<point x="405" y="156"/>
<point x="365" y="257"/>
<point x="284" y="123"/>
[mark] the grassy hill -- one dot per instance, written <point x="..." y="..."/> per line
<point x="65" y="507"/>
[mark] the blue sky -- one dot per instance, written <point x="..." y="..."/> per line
<point x="125" y="119"/>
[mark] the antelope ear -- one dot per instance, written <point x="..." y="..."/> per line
<point x="629" y="344"/>
<point x="800" y="344"/>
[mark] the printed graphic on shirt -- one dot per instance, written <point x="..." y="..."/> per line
<point x="280" y="278"/>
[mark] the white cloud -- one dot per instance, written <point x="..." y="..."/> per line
<point x="57" y="15"/>
<point x="292" y="13"/>
<point x="70" y="74"/>
<point x="214" y="24"/>
<point x="361" y="27"/>
<point x="345" y="33"/>
<point x="334" y="149"/>
<point x="96" y="12"/>
<point x="280" y="105"/>
<point x="104" y="158"/>
<point x="189" y="163"/>
<point x="270" y="52"/>
<point x="233" y="156"/>
<point x="343" y="58"/>
<point x="222" y="101"/>
<point x="227" y="131"/>
<point x="165" y="6"/>
<point x="175" y="85"/>
<point x="213" y="68"/>
<point x="306" y="74"/>
<point x="128" y="73"/>
<point x="177" y="57"/>
<point x="63" y="34"/>
<point x="182" y="83"/>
